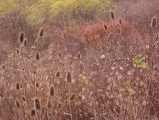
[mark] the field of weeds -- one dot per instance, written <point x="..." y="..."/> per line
<point x="85" y="60"/>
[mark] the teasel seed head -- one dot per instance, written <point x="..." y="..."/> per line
<point x="37" y="55"/>
<point x="105" y="27"/>
<point x="49" y="104"/>
<point x="112" y="14"/>
<point x="49" y="114"/>
<point x="78" y="56"/>
<point x="17" y="86"/>
<point x="41" y="32"/>
<point x="120" y="21"/>
<point x="72" y="97"/>
<point x="52" y="90"/>
<point x="69" y="79"/>
<point x="58" y="74"/>
<point x="17" y="51"/>
<point x="34" y="72"/>
<point x="37" y="103"/>
<point x="36" y="84"/>
<point x="17" y="103"/>
<point x="154" y="22"/>
<point x="59" y="105"/>
<point x="25" y="42"/>
<point x="3" y="67"/>
<point x="21" y="86"/>
<point x="21" y="37"/>
<point x="23" y="99"/>
<point x="59" y="54"/>
<point x="33" y="112"/>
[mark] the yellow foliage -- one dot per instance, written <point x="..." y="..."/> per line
<point x="1" y="7"/>
<point x="35" y="11"/>
<point x="7" y="7"/>
<point x="61" y="6"/>
<point x="34" y="14"/>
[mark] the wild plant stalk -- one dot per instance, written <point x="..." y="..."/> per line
<point x="153" y="25"/>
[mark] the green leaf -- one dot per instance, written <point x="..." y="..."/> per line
<point x="128" y="89"/>
<point x="121" y="89"/>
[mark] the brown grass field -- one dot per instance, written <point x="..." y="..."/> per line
<point x="83" y="70"/>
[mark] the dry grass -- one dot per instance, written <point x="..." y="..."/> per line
<point x="40" y="82"/>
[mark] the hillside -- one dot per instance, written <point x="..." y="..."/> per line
<point x="81" y="63"/>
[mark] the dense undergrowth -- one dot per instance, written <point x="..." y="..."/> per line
<point x="77" y="69"/>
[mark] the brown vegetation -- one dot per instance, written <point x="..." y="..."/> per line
<point x="40" y="77"/>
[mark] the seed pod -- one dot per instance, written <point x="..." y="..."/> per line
<point x="72" y="97"/>
<point x="69" y="79"/>
<point x="37" y="103"/>
<point x="25" y="42"/>
<point x="41" y="32"/>
<point x="52" y="90"/>
<point x="49" y="115"/>
<point x="17" y="86"/>
<point x="21" y="37"/>
<point x="105" y="27"/>
<point x="112" y="14"/>
<point x="154" y="22"/>
<point x="37" y="55"/>
<point x="120" y="21"/>
<point x="33" y="112"/>
<point x="59" y="105"/>
<point x="36" y="84"/>
<point x="17" y="51"/>
<point x="34" y="72"/>
<point x="58" y="74"/>
<point x="59" y="54"/>
<point x="49" y="104"/>
<point x="17" y="103"/>
<point x="23" y="98"/>
<point x="78" y="56"/>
